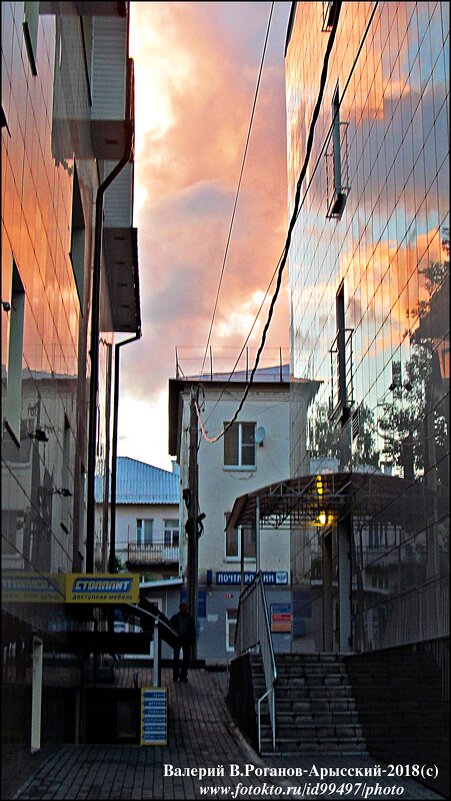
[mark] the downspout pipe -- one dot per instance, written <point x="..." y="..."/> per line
<point x="117" y="347"/>
<point x="95" y="327"/>
<point x="112" y="554"/>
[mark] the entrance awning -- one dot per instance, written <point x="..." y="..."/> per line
<point x="334" y="496"/>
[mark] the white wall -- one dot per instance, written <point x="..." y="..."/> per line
<point x="219" y="486"/>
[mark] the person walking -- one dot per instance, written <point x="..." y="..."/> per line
<point x="185" y="627"/>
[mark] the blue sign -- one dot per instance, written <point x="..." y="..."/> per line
<point x="154" y="716"/>
<point x="201" y="601"/>
<point x="233" y="577"/>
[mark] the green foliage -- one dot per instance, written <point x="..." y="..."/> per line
<point x="118" y="564"/>
<point x="324" y="436"/>
<point x="410" y="422"/>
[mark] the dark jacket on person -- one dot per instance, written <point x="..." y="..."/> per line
<point x="185" y="627"/>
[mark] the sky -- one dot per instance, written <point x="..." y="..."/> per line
<point x="196" y="71"/>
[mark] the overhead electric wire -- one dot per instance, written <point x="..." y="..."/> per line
<point x="245" y="341"/>
<point x="283" y="259"/>
<point x="239" y="185"/>
<point x="297" y="208"/>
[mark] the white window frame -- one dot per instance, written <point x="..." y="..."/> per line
<point x="140" y="531"/>
<point x="171" y="527"/>
<point x="240" y="465"/>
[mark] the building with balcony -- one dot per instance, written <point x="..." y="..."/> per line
<point x="252" y="453"/>
<point x="147" y="519"/>
<point x="69" y="283"/>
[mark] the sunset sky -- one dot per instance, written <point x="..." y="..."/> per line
<point x="196" y="70"/>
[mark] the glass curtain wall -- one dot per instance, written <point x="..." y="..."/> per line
<point x="369" y="286"/>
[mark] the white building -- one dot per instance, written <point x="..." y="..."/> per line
<point x="253" y="453"/>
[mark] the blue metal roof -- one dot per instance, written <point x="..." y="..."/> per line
<point x="138" y="482"/>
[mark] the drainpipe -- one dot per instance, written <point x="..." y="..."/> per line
<point x="112" y="556"/>
<point x="95" y="326"/>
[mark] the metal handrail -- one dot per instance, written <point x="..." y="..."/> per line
<point x="253" y="631"/>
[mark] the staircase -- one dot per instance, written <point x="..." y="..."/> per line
<point x="315" y="709"/>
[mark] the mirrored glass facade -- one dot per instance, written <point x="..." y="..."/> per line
<point x="369" y="284"/>
<point x="53" y="162"/>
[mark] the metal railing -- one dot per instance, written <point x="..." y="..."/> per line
<point x="253" y="633"/>
<point x="157" y="553"/>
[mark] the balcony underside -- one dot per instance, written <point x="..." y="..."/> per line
<point x="122" y="266"/>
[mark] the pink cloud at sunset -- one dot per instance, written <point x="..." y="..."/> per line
<point x="196" y="69"/>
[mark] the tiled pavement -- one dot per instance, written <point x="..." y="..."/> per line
<point x="201" y="735"/>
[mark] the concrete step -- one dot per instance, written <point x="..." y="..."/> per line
<point x="315" y="709"/>
<point x="311" y="670"/>
<point x="326" y="693"/>
<point x="316" y="719"/>
<point x="354" y="747"/>
<point x="316" y="732"/>
<point x="315" y="680"/>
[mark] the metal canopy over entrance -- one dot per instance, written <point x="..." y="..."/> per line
<point x="333" y="497"/>
<point x="340" y="504"/>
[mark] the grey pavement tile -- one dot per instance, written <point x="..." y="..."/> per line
<point x="201" y="734"/>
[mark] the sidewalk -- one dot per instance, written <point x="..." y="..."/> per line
<point x="201" y="735"/>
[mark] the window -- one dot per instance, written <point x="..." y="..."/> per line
<point x="13" y="402"/>
<point x="171" y="533"/>
<point x="377" y="536"/>
<point x="30" y="29"/>
<point x="3" y="120"/>
<point x="144" y="531"/>
<point x="233" y="542"/>
<point x="337" y="167"/>
<point x="77" y="242"/>
<point x="231" y="618"/>
<point x="341" y="363"/>
<point x="239" y="445"/>
<point x="86" y="35"/>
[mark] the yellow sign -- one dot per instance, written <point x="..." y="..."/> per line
<point x="22" y="587"/>
<point x="102" y="588"/>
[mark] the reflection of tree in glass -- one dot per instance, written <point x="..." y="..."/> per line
<point x="414" y="422"/>
<point x="324" y="436"/>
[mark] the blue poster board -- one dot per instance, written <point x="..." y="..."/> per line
<point x="154" y="716"/>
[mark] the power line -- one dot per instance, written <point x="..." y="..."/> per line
<point x="284" y="256"/>
<point x="245" y="341"/>
<point x="239" y="186"/>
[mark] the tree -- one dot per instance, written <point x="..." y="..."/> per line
<point x="414" y="424"/>
<point x="324" y="436"/>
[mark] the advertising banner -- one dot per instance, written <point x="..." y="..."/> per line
<point x="21" y="587"/>
<point x="102" y="588"/>
<point x="154" y="716"/>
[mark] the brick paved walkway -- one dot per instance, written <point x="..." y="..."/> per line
<point x="201" y="735"/>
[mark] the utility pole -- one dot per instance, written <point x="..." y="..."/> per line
<point x="192" y="522"/>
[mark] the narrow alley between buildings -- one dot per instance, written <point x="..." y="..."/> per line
<point x="203" y="736"/>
